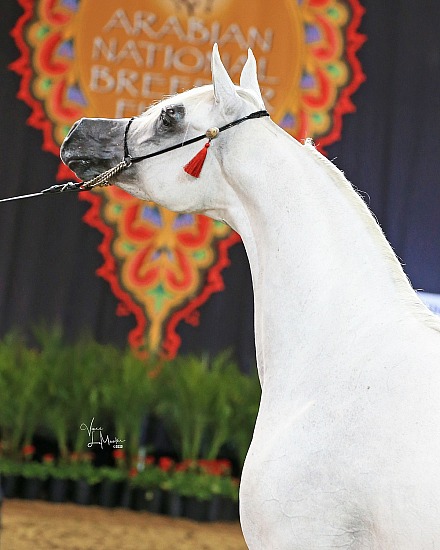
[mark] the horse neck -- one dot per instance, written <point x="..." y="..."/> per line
<point x="320" y="264"/>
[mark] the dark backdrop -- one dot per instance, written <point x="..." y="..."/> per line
<point x="390" y="149"/>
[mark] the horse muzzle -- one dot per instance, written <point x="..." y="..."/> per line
<point x="93" y="145"/>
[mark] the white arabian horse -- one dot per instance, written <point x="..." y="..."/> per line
<point x="346" y="447"/>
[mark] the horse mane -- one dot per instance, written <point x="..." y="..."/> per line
<point x="418" y="308"/>
<point x="197" y="94"/>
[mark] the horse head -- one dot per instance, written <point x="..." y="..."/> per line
<point x="159" y="143"/>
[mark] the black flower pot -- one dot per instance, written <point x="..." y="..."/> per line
<point x="150" y="500"/>
<point x="153" y="500"/>
<point x="82" y="492"/>
<point x="109" y="493"/>
<point x="196" y="509"/>
<point x="11" y="485"/>
<point x="174" y="504"/>
<point x="228" y="510"/>
<point x="127" y="496"/>
<point x="214" y="511"/>
<point x="32" y="488"/>
<point x="58" y="489"/>
<point x="138" y="499"/>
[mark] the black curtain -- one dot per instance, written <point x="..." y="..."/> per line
<point x="390" y="150"/>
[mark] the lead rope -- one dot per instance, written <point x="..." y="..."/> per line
<point x="101" y="180"/>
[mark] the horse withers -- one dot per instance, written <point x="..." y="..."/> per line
<point x="346" y="447"/>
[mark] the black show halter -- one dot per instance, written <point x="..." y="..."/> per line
<point x="104" y="178"/>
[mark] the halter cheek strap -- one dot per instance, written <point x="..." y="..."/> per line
<point x="195" y="165"/>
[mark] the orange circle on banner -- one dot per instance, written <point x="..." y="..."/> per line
<point x="131" y="54"/>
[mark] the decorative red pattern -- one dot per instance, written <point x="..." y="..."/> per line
<point x="330" y="39"/>
<point x="108" y="270"/>
<point x="189" y="313"/>
<point x="186" y="270"/>
<point x="23" y="67"/>
<point x="52" y="16"/>
<point x="137" y="233"/>
<point x="47" y="54"/>
<point x="66" y="113"/>
<point x="324" y="91"/>
<point x="191" y="239"/>
<point x="344" y="105"/>
<point x="146" y="278"/>
<point x="213" y="284"/>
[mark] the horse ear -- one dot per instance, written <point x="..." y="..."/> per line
<point x="249" y="79"/>
<point x="224" y="89"/>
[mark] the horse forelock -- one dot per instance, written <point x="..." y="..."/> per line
<point x="195" y="96"/>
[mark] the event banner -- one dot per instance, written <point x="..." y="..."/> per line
<point x="113" y="58"/>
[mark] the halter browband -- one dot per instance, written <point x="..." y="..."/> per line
<point x="131" y="160"/>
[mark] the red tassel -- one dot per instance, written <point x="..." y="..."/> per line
<point x="195" y="165"/>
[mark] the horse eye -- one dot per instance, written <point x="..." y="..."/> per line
<point x="171" y="116"/>
<point x="164" y="118"/>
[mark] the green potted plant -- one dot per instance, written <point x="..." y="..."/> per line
<point x="203" y="495"/>
<point x="59" y="478"/>
<point x="127" y="391"/>
<point x="21" y="385"/>
<point x="184" y="402"/>
<point x="89" y="364"/>
<point x="86" y="479"/>
<point x="55" y="361"/>
<point x="148" y="486"/>
<point x="110" y="487"/>
<point x="245" y="398"/>
<point x="10" y="475"/>
<point x="34" y="475"/>
<point x="222" y="378"/>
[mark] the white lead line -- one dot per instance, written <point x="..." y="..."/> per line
<point x="22" y="197"/>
